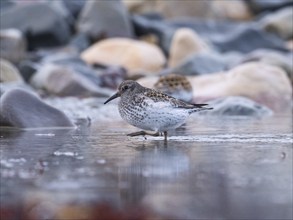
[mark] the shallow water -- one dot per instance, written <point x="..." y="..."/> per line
<point x="211" y="168"/>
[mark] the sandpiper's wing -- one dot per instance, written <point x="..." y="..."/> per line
<point x="169" y="101"/>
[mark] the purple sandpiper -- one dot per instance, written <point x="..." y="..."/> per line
<point x="152" y="110"/>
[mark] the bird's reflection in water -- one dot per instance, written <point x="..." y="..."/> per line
<point x="156" y="163"/>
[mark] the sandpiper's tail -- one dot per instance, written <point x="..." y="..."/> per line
<point x="199" y="107"/>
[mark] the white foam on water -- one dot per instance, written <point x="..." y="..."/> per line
<point x="65" y="153"/>
<point x="46" y="135"/>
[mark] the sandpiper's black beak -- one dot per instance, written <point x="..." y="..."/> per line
<point x="116" y="95"/>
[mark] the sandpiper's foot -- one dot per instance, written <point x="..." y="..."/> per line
<point x="143" y="133"/>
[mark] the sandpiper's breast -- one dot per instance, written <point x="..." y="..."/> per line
<point x="152" y="116"/>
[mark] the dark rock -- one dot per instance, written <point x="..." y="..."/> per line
<point x="13" y="45"/>
<point x="237" y="106"/>
<point x="258" y="6"/>
<point x="24" y="110"/>
<point x="44" y="27"/>
<point x="104" y="18"/>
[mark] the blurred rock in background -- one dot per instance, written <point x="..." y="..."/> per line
<point x="22" y="109"/>
<point x="104" y="19"/>
<point x="135" y="56"/>
<point x="87" y="48"/>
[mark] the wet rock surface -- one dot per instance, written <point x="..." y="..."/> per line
<point x="22" y="109"/>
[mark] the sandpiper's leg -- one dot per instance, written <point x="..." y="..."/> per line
<point x="153" y="134"/>
<point x="165" y="135"/>
<point x="143" y="133"/>
<point x="138" y="133"/>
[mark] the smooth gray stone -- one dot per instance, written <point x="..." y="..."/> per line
<point x="21" y="109"/>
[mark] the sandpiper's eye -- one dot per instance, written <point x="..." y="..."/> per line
<point x="125" y="88"/>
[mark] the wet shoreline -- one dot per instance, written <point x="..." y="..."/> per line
<point x="97" y="167"/>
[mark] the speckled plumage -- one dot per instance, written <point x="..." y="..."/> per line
<point x="176" y="86"/>
<point x="151" y="110"/>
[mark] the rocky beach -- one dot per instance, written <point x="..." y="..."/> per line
<point x="65" y="155"/>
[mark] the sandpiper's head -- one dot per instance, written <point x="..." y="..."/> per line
<point x="124" y="88"/>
